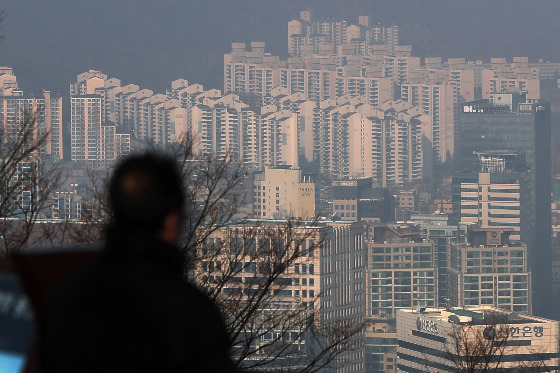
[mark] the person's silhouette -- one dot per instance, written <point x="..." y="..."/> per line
<point x="131" y="310"/>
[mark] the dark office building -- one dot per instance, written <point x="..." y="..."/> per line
<point x="507" y="123"/>
<point x="356" y="199"/>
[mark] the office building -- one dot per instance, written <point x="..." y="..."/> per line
<point x="401" y="270"/>
<point x="512" y="126"/>
<point x="435" y="340"/>
<point x="380" y="346"/>
<point x="283" y="192"/>
<point x="495" y="196"/>
<point x="249" y="250"/>
<point x="524" y="127"/>
<point x="440" y="229"/>
<point x="398" y="272"/>
<point x="357" y="199"/>
<point x="489" y="270"/>
<point x="317" y="279"/>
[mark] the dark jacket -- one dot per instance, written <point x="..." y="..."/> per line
<point x="131" y="311"/>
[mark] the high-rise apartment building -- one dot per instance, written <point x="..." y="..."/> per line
<point x="439" y="102"/>
<point x="226" y="126"/>
<point x="503" y="77"/>
<point x="523" y="127"/>
<point x="86" y="131"/>
<point x="94" y="144"/>
<point x="8" y="82"/>
<point x="400" y="68"/>
<point x="434" y="72"/>
<point x="318" y="78"/>
<point x="362" y="141"/>
<point x="71" y="204"/>
<point x="306" y="111"/>
<point x="86" y="83"/>
<point x="156" y="118"/>
<point x="43" y="114"/>
<point x="308" y="37"/>
<point x="279" y="138"/>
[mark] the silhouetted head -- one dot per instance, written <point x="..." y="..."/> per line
<point x="145" y="192"/>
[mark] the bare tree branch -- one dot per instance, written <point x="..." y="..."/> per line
<point x="26" y="180"/>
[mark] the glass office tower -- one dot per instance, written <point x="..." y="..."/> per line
<point x="508" y="123"/>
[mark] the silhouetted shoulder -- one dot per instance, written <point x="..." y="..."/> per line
<point x="132" y="316"/>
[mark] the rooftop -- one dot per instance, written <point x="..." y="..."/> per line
<point x="478" y="315"/>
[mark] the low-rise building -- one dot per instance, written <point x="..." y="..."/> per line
<point x="475" y="339"/>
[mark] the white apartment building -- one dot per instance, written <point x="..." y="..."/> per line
<point x="439" y="102"/>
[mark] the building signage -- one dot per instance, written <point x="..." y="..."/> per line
<point x="350" y="183"/>
<point x="526" y="331"/>
<point x="427" y="325"/>
<point x="472" y="109"/>
<point x="493" y="238"/>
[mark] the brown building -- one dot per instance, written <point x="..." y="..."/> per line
<point x="283" y="192"/>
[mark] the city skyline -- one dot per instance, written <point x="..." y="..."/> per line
<point x="357" y="165"/>
<point x="108" y="36"/>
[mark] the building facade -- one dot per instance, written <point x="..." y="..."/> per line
<point x="489" y="270"/>
<point x="42" y="116"/>
<point x="525" y="128"/>
<point x="498" y="195"/>
<point x="446" y="340"/>
<point x="283" y="192"/>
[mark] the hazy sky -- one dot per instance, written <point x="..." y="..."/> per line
<point x="151" y="42"/>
